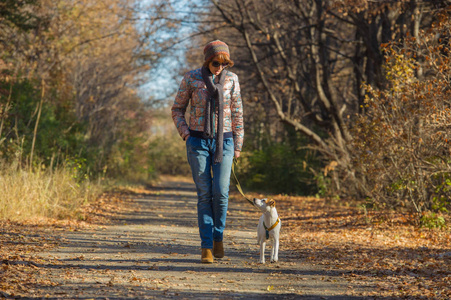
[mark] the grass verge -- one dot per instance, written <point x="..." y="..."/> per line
<point x="40" y="194"/>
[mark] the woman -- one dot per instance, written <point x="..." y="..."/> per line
<point x="213" y="137"/>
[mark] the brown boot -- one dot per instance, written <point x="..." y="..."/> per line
<point x="218" y="249"/>
<point x="207" y="257"/>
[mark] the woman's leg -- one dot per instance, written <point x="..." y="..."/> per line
<point x="221" y="183"/>
<point x="199" y="159"/>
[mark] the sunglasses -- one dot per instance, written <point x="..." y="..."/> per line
<point x="216" y="64"/>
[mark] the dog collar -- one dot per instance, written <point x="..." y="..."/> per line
<point x="270" y="228"/>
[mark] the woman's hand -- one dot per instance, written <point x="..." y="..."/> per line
<point x="237" y="153"/>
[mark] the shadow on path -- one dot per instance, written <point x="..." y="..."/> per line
<point x="154" y="252"/>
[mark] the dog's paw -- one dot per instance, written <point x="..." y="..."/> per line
<point x="262" y="261"/>
<point x="274" y="260"/>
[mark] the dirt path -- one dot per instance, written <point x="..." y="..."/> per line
<point x="153" y="252"/>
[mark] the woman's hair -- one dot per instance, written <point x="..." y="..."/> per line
<point x="220" y="57"/>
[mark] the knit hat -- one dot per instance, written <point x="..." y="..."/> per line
<point x="215" y="48"/>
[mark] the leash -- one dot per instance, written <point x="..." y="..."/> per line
<point x="238" y="186"/>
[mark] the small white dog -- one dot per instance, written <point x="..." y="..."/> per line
<point x="268" y="228"/>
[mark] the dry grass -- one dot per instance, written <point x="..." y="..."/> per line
<point x="42" y="193"/>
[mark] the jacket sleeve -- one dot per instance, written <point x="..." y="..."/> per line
<point x="179" y="107"/>
<point x="237" y="115"/>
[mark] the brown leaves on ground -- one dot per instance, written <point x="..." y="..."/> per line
<point x="18" y="263"/>
<point x="379" y="250"/>
<point x="19" y="242"/>
<point x="106" y="207"/>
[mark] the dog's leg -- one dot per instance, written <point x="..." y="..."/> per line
<point x="275" y="251"/>
<point x="262" y="251"/>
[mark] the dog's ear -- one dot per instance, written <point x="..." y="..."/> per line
<point x="271" y="203"/>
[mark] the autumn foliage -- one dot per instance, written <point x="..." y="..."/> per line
<point x="402" y="145"/>
<point x="328" y="110"/>
<point x="70" y="73"/>
<point x="69" y="78"/>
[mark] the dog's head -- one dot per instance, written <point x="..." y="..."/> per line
<point x="264" y="205"/>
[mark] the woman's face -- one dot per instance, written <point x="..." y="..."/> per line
<point x="216" y="66"/>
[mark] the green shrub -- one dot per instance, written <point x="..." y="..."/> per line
<point x="432" y="220"/>
<point x="167" y="155"/>
<point x="278" y="169"/>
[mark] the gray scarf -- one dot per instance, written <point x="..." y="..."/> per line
<point x="216" y="93"/>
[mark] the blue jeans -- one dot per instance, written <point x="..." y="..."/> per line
<point x="212" y="184"/>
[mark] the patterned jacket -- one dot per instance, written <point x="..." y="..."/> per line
<point x="193" y="88"/>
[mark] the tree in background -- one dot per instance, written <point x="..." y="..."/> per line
<point x="70" y="74"/>
<point x="301" y="66"/>
<point x="14" y="14"/>
<point x="308" y="60"/>
<point x="403" y="144"/>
